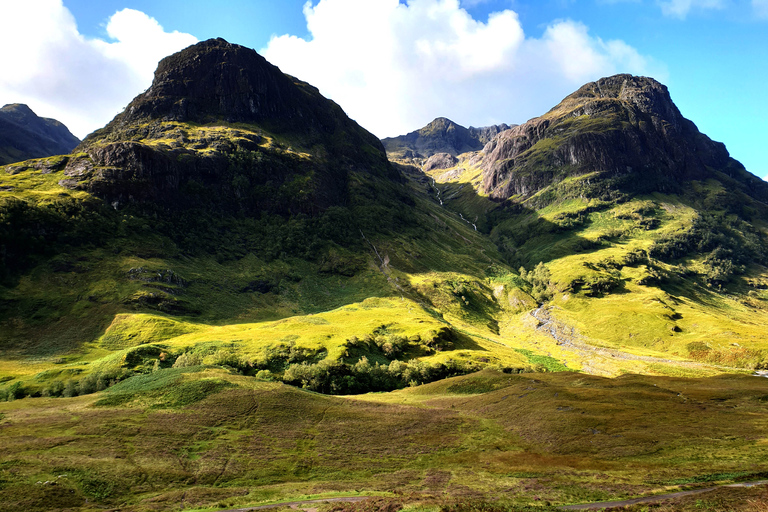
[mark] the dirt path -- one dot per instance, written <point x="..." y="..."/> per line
<point x="655" y="499"/>
<point x="568" y="339"/>
<point x="300" y="505"/>
<point x="296" y="504"/>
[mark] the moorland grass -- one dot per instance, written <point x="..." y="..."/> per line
<point x="523" y="439"/>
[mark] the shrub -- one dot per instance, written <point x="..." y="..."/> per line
<point x="187" y="359"/>
<point x="70" y="389"/>
<point x="55" y="388"/>
<point x="363" y="376"/>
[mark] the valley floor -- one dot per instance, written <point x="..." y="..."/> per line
<point x="229" y="441"/>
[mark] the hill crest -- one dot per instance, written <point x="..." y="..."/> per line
<point x="216" y="100"/>
<point x="25" y="135"/>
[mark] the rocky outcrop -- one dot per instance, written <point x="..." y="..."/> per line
<point x="24" y="135"/>
<point x="440" y="136"/>
<point x="620" y="126"/>
<point x="440" y="161"/>
<point x="125" y="171"/>
<point x="153" y="150"/>
<point x="486" y="133"/>
<point x="216" y="81"/>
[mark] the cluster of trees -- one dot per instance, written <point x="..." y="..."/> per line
<point x="539" y="278"/>
<point x="340" y="378"/>
<point x="28" y="229"/>
<point x="85" y="385"/>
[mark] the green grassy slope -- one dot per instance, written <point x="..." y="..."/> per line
<point x="666" y="276"/>
<point x="86" y="283"/>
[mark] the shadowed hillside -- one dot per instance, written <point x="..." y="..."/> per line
<point x="24" y="135"/>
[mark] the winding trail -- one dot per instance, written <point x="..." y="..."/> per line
<point x="567" y="338"/>
<point x="655" y="499"/>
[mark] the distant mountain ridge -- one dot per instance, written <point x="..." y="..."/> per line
<point x="25" y="135"/>
<point x="441" y="136"/>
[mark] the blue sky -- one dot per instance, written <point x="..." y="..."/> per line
<point x="396" y="67"/>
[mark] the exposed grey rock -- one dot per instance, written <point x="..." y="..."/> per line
<point x="440" y="136"/>
<point x="143" y="156"/>
<point x="618" y="126"/>
<point x="440" y="161"/>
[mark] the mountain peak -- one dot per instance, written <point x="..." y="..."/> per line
<point x="440" y="123"/>
<point x="25" y="135"/>
<point x="216" y="80"/>
<point x="645" y="94"/>
<point x="441" y="136"/>
<point x="623" y="128"/>
<point x="180" y="130"/>
<point x="18" y="109"/>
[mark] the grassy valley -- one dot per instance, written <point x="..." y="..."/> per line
<point x="208" y="438"/>
<point x="208" y="309"/>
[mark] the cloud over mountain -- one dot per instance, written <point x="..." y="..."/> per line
<point x="393" y="66"/>
<point x="62" y="74"/>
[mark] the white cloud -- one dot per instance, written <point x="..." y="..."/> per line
<point x="681" y="8"/>
<point x="473" y="3"/>
<point x="761" y="8"/>
<point x="83" y="83"/>
<point x="394" y="67"/>
<point x="140" y="41"/>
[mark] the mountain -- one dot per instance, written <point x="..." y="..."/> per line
<point x="145" y="153"/>
<point x="622" y="128"/>
<point x="223" y="163"/>
<point x="24" y="135"/>
<point x="633" y="223"/>
<point x="572" y="311"/>
<point x="440" y="136"/>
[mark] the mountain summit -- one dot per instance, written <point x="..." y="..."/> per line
<point x="24" y="135"/>
<point x="219" y="117"/>
<point x="216" y="81"/>
<point x="622" y="127"/>
<point x="441" y="136"/>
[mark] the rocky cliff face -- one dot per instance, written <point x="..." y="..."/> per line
<point x="222" y="120"/>
<point x="486" y="133"/>
<point x="216" y="81"/>
<point x="441" y="136"/>
<point x="24" y="135"/>
<point x="621" y="126"/>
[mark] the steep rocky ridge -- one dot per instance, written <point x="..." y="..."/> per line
<point x="219" y="117"/>
<point x="24" y="135"/>
<point x="441" y="136"/>
<point x="486" y="133"/>
<point x="623" y="128"/>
